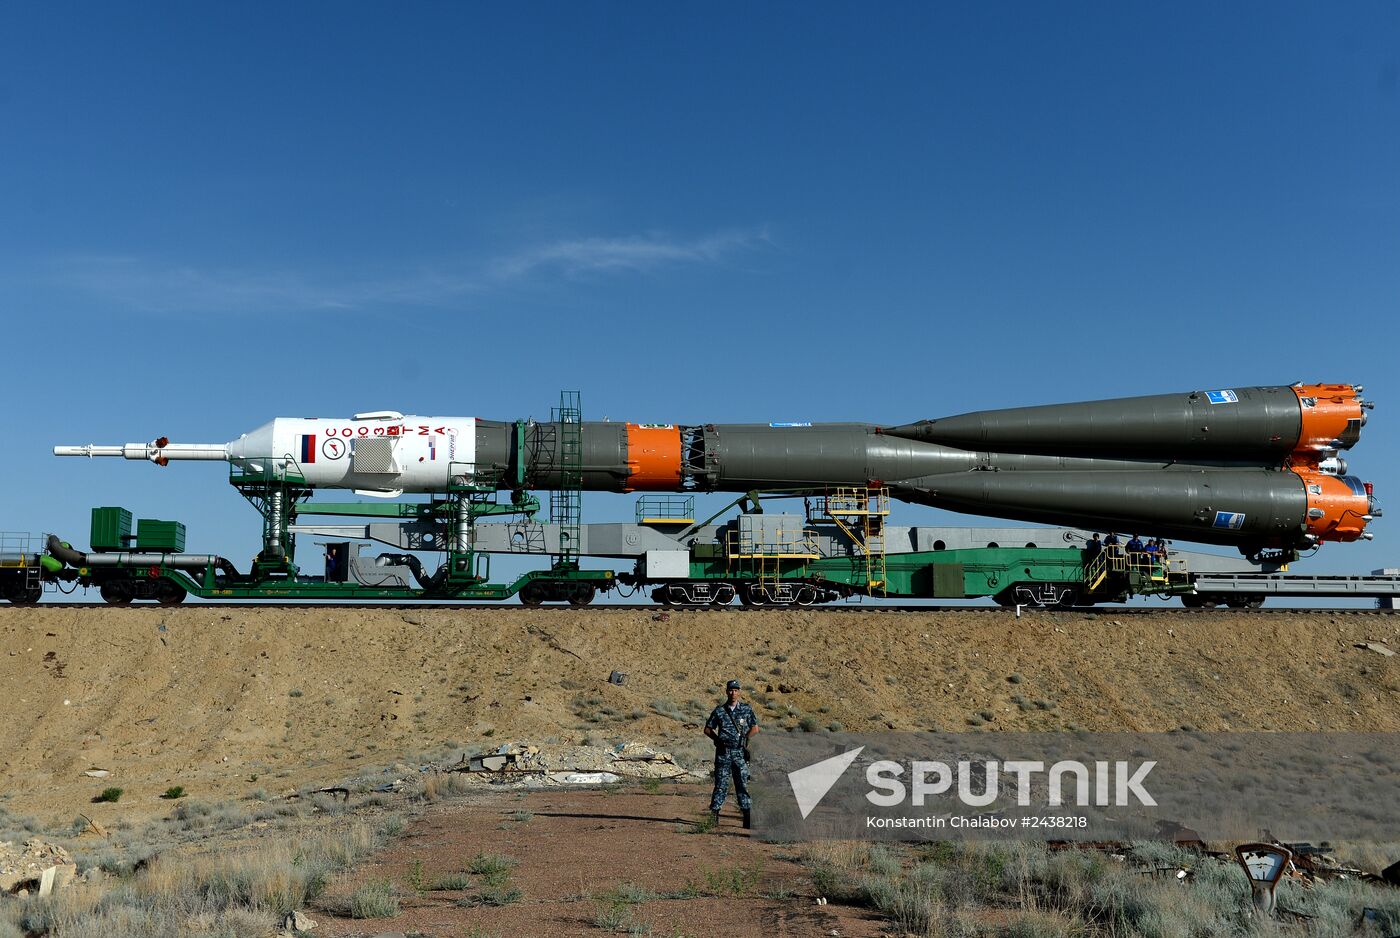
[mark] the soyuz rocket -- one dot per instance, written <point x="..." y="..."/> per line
<point x="1257" y="468"/>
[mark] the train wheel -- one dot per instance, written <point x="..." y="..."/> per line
<point x="22" y="595"/>
<point x="806" y="596"/>
<point x="754" y="595"/>
<point x="1069" y="599"/>
<point x="582" y="594"/>
<point x="531" y="594"/>
<point x="1199" y="601"/>
<point x="1006" y="598"/>
<point x="1247" y="601"/>
<point x="116" y="592"/>
<point x="170" y="594"/>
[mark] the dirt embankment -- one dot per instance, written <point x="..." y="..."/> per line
<point x="226" y="700"/>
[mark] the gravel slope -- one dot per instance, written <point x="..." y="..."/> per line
<point x="227" y="700"/>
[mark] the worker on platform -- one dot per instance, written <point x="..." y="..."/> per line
<point x="730" y="726"/>
<point x="1157" y="554"/>
<point x="1134" y="549"/>
<point x="1092" y="549"/>
<point x="1111" y="544"/>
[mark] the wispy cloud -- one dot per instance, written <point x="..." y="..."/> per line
<point x="638" y="253"/>
<point x="151" y="286"/>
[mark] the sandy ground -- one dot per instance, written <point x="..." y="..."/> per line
<point x="569" y="850"/>
<point x="227" y="700"/>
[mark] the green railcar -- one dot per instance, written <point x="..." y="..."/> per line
<point x="1036" y="576"/>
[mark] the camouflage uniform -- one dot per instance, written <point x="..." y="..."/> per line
<point x="732" y="729"/>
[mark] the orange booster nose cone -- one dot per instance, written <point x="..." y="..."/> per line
<point x="1338" y="507"/>
<point x="1332" y="414"/>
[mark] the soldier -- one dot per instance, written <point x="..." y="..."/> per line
<point x="730" y="725"/>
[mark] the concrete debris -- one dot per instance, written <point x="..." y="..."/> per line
<point x="97" y="773"/>
<point x="1379" y="648"/>
<point x="38" y="865"/>
<point x="298" y="921"/>
<point x="636" y="752"/>
<point x="553" y="763"/>
<point x="507" y="758"/>
<point x="588" y="778"/>
<point x="617" y="677"/>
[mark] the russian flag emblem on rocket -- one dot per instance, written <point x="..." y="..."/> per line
<point x="432" y="449"/>
<point x="308" y="447"/>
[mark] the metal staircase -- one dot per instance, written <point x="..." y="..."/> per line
<point x="1115" y="570"/>
<point x="860" y="514"/>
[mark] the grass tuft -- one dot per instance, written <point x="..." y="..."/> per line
<point x="490" y="864"/>
<point x="374" y="900"/>
<point x="703" y="824"/>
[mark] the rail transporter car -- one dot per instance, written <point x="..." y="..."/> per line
<point x="839" y="549"/>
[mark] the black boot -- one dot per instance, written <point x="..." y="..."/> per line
<point x="748" y="819"/>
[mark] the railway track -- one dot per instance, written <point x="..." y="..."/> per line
<point x="904" y="609"/>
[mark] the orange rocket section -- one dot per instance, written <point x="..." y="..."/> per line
<point x="653" y="458"/>
<point x="1328" y="411"/>
<point x="1337" y="508"/>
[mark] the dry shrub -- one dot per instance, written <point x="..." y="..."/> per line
<point x="441" y="785"/>
<point x="230" y="896"/>
<point x="1022" y="889"/>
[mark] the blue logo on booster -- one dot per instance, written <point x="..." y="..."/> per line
<point x="1233" y="520"/>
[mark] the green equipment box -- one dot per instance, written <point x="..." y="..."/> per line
<point x="160" y="535"/>
<point x="111" y="529"/>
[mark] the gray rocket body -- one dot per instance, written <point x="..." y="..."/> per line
<point x="1252" y="467"/>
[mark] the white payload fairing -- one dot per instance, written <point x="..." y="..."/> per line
<point x="383" y="453"/>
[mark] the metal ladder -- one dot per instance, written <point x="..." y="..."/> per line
<point x="565" y="502"/>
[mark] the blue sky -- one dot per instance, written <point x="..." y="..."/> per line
<point x="219" y="213"/>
